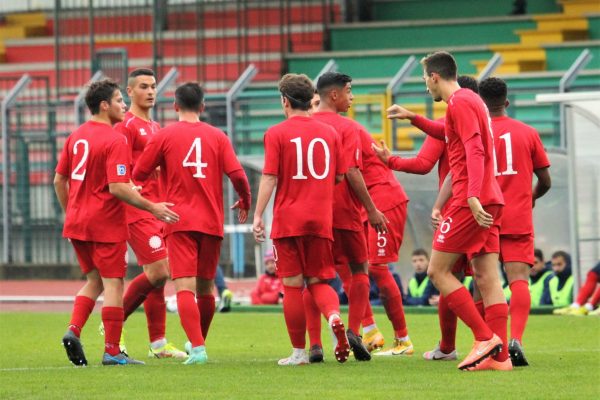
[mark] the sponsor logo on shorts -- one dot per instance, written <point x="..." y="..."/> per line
<point x="440" y="239"/>
<point x="121" y="169"/>
<point x="155" y="242"/>
<point x="381" y="252"/>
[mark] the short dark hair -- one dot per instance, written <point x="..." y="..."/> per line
<point x="139" y="72"/>
<point x="298" y="89"/>
<point x="560" y="253"/>
<point x="420" y="252"/>
<point x="189" y="96"/>
<point x="493" y="91"/>
<point x="98" y="92"/>
<point x="537" y="253"/>
<point x="467" y="82"/>
<point x="442" y="63"/>
<point x="332" y="79"/>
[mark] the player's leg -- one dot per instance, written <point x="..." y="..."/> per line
<point x="595" y="300"/>
<point x="583" y="304"/>
<point x="208" y="259"/>
<point x="313" y="327"/>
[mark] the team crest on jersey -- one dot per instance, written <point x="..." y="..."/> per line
<point x="143" y="132"/>
<point x="121" y="170"/>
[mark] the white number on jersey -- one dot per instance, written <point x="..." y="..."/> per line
<point x="310" y="158"/>
<point x="509" y="157"/>
<point x="198" y="164"/>
<point x="77" y="174"/>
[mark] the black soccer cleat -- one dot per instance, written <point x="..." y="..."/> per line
<point x="517" y="355"/>
<point x="315" y="354"/>
<point x="358" y="348"/>
<point x="74" y="349"/>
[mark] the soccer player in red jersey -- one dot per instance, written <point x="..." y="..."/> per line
<point x="92" y="176"/>
<point x="146" y="238"/>
<point x="303" y="159"/>
<point x="349" y="247"/>
<point x="193" y="157"/>
<point x="467" y="227"/>
<point x="519" y="155"/>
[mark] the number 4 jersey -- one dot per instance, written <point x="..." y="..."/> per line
<point x="305" y="155"/>
<point x="93" y="156"/>
<point x="519" y="151"/>
<point x="193" y="156"/>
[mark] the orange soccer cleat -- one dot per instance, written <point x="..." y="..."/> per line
<point x="481" y="351"/>
<point x="489" y="364"/>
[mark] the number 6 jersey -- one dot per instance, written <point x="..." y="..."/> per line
<point x="93" y="156"/>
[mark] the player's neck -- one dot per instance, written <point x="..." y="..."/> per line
<point x="325" y="107"/>
<point x="141" y="113"/>
<point x="296" y="113"/>
<point x="497" y="112"/>
<point x="189" y="116"/>
<point x="101" y="119"/>
<point x="448" y="88"/>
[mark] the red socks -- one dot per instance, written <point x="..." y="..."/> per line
<point x="82" y="308"/>
<point x="520" y="304"/>
<point x="313" y="318"/>
<point x="461" y="303"/>
<point x="190" y="317"/>
<point x="496" y="317"/>
<point x="368" y="319"/>
<point x="325" y="298"/>
<point x="588" y="288"/>
<point x="595" y="298"/>
<point x="391" y="299"/>
<point x="136" y="293"/>
<point x="480" y="308"/>
<point x="112" y="318"/>
<point x="447" y="326"/>
<point x="156" y="313"/>
<point x="206" y="308"/>
<point x="293" y="311"/>
<point x="357" y="300"/>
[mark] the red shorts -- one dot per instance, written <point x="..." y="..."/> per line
<point x="310" y="256"/>
<point x="110" y="259"/>
<point x="349" y="247"/>
<point x="146" y="240"/>
<point x="462" y="266"/>
<point x="460" y="233"/>
<point x="193" y="254"/>
<point x="517" y="248"/>
<point x="384" y="247"/>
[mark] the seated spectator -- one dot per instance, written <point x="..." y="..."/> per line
<point x="269" y="287"/>
<point x="539" y="278"/>
<point x="561" y="284"/>
<point x="588" y="296"/>
<point x="421" y="291"/>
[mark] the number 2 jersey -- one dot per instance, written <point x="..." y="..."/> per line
<point x="193" y="156"/>
<point x="93" y="156"/>
<point x="305" y="155"/>
<point x="519" y="151"/>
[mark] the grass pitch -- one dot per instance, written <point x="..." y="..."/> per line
<point x="243" y="349"/>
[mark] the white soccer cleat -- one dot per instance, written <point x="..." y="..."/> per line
<point x="438" y="355"/>
<point x="298" y="357"/>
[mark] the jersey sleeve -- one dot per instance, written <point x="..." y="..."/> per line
<point x="63" y="166"/>
<point x="538" y="153"/>
<point x="149" y="159"/>
<point x="272" y="153"/>
<point x="351" y="147"/>
<point x="435" y="129"/>
<point x="118" y="161"/>
<point x="425" y="160"/>
<point x="464" y="120"/>
<point x="340" y="166"/>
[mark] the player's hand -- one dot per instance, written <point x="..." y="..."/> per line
<point x="398" y="112"/>
<point x="378" y="221"/>
<point x="434" y="300"/>
<point x="258" y="229"/>
<point x="383" y="153"/>
<point x="242" y="213"/>
<point x="162" y="212"/>
<point x="436" y="218"/>
<point x="484" y="219"/>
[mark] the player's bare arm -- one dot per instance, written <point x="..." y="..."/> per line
<point x="265" y="191"/>
<point x="125" y="192"/>
<point x="357" y="183"/>
<point x="544" y="182"/>
<point x="61" y="187"/>
<point x="443" y="196"/>
<point x="383" y="152"/>
<point x="399" y="112"/>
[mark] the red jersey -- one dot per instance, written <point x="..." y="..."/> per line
<point x="193" y="158"/>
<point x="519" y="151"/>
<point x="383" y="187"/>
<point x="346" y="206"/>
<point x="305" y="155"/>
<point x="138" y="132"/>
<point x="94" y="155"/>
<point x="467" y="116"/>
